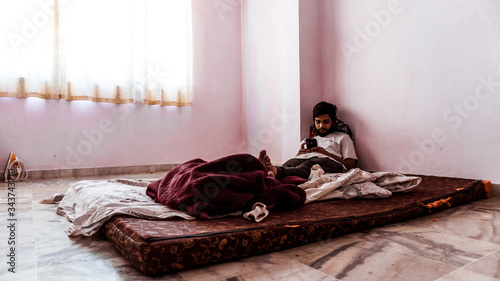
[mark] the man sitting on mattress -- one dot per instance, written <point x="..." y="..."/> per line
<point x="334" y="151"/>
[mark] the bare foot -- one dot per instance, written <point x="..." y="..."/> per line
<point x="266" y="161"/>
<point x="262" y="155"/>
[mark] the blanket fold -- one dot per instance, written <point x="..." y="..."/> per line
<point x="90" y="204"/>
<point x="356" y="183"/>
<point x="233" y="183"/>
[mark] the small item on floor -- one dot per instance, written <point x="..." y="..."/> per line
<point x="14" y="169"/>
<point x="54" y="199"/>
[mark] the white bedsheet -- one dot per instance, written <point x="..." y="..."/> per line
<point x="91" y="203"/>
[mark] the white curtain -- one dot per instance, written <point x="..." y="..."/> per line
<point x="118" y="51"/>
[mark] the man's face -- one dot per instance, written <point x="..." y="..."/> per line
<point x="323" y="124"/>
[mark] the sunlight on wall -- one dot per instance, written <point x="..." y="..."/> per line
<point x="35" y="106"/>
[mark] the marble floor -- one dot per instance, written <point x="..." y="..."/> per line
<point x="462" y="243"/>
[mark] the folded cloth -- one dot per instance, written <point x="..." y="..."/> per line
<point x="233" y="183"/>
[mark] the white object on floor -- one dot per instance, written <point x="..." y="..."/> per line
<point x="14" y="169"/>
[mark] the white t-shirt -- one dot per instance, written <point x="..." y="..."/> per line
<point x="338" y="144"/>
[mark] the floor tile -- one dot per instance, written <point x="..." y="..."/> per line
<point x="273" y="266"/>
<point x="446" y="248"/>
<point x="461" y="243"/>
<point x="353" y="258"/>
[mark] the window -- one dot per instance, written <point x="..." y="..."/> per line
<point x="118" y="51"/>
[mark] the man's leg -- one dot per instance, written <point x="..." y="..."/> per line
<point x="292" y="167"/>
<point x="295" y="167"/>
<point x="294" y="162"/>
<point x="299" y="167"/>
<point x="328" y="165"/>
<point x="302" y="167"/>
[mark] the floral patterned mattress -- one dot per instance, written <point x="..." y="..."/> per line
<point x="158" y="247"/>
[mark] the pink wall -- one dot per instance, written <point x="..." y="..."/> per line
<point x="410" y="77"/>
<point x="58" y="134"/>
<point x="311" y="61"/>
<point x="271" y="76"/>
<point x="261" y="73"/>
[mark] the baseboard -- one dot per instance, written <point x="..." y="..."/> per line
<point x="495" y="189"/>
<point x="101" y="171"/>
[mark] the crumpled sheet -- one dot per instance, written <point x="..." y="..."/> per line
<point x="355" y="184"/>
<point x="90" y="204"/>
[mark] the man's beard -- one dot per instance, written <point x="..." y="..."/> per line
<point x="329" y="131"/>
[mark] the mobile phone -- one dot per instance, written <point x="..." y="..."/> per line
<point x="310" y="143"/>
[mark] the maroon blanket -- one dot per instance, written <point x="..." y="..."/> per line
<point x="223" y="186"/>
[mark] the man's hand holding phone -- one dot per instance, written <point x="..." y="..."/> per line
<point x="311" y="143"/>
<point x="308" y="146"/>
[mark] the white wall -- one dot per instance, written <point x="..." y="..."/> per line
<point x="290" y="77"/>
<point x="409" y="77"/>
<point x="311" y="61"/>
<point x="271" y="83"/>
<point x="58" y="134"/>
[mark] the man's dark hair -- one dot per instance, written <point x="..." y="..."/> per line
<point x="330" y="109"/>
<point x="325" y="108"/>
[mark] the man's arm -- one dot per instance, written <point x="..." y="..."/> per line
<point x="348" y="163"/>
<point x="303" y="149"/>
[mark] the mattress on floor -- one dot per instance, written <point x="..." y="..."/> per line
<point x="166" y="246"/>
